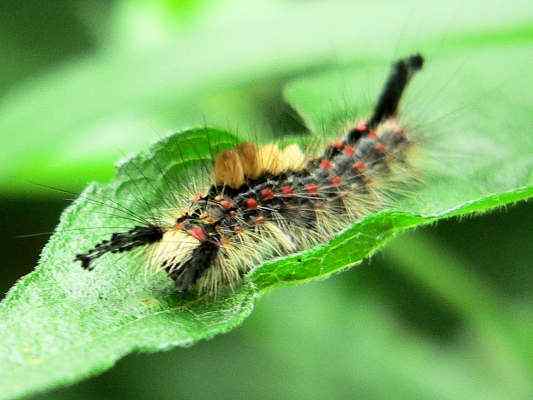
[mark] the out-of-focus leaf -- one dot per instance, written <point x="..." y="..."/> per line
<point x="61" y="324"/>
<point x="73" y="122"/>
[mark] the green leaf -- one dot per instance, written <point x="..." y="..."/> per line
<point x="501" y="333"/>
<point x="60" y="323"/>
<point x="74" y="121"/>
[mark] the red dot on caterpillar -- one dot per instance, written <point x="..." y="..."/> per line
<point x="267" y="194"/>
<point x="335" y="181"/>
<point x="287" y="191"/>
<point x="311" y="188"/>
<point x="326" y="164"/>
<point x="359" y="165"/>
<point x="372" y="135"/>
<point x="361" y="126"/>
<point x="251" y="203"/>
<point x="197" y="233"/>
<point x="226" y="204"/>
<point x="379" y="147"/>
<point x="348" y="151"/>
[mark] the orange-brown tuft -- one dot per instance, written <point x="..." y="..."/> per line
<point x="229" y="170"/>
<point x="247" y="152"/>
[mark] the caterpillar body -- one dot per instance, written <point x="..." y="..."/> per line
<point x="266" y="201"/>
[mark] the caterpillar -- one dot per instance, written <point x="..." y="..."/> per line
<point x="264" y="201"/>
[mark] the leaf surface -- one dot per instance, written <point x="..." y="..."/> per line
<point x="60" y="323"/>
<point x="74" y="121"/>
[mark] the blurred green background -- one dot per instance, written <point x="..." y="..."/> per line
<point x="84" y="82"/>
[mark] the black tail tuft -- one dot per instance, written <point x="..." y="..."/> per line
<point x="401" y="74"/>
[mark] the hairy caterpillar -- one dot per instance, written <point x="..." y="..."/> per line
<point x="265" y="201"/>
